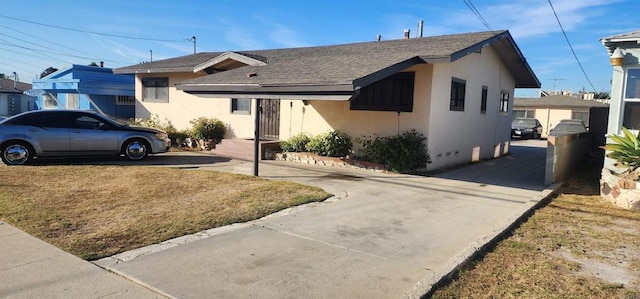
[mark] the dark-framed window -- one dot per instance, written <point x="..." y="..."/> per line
<point x="155" y="89"/>
<point x="483" y="100"/>
<point x="394" y="93"/>
<point x="458" y="89"/>
<point x="241" y="106"/>
<point x="504" y="101"/>
<point x="524" y="113"/>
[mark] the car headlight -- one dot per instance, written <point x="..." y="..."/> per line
<point x="162" y="136"/>
<point x="528" y="130"/>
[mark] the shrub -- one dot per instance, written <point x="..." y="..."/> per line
<point x="331" y="144"/>
<point x="153" y="122"/>
<point x="297" y="143"/>
<point x="207" y="128"/>
<point x="625" y="150"/>
<point x="401" y="153"/>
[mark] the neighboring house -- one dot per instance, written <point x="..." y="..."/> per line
<point x="12" y="99"/>
<point x="85" y="87"/>
<point x="624" y="50"/>
<point x="457" y="90"/>
<point x="550" y="110"/>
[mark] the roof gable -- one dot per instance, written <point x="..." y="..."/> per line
<point x="227" y="61"/>
<point x="625" y="40"/>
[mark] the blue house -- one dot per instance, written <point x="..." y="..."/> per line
<point x="87" y="87"/>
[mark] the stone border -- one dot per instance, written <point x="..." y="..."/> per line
<point x="313" y="159"/>
<point x="618" y="191"/>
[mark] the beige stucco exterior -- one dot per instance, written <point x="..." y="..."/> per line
<point x="453" y="137"/>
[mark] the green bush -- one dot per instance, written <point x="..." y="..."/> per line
<point x="153" y="122"/>
<point x="401" y="153"/>
<point x="331" y="144"/>
<point x="207" y="128"/>
<point x="625" y="150"/>
<point x="297" y="143"/>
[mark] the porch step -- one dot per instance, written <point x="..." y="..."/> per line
<point x="243" y="149"/>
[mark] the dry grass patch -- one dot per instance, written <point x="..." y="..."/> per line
<point x="98" y="211"/>
<point x="577" y="246"/>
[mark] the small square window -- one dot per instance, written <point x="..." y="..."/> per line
<point x="155" y="89"/>
<point x="241" y="106"/>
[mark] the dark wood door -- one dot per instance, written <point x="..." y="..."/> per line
<point x="270" y="119"/>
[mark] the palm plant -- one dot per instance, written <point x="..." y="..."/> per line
<point x="625" y="150"/>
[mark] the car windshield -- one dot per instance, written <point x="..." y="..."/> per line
<point x="524" y="122"/>
<point x="120" y="121"/>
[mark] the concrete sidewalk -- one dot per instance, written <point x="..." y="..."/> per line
<point x="381" y="236"/>
<point x="31" y="268"/>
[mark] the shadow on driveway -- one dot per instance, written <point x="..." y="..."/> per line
<point x="165" y="159"/>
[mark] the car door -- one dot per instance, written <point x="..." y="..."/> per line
<point x="48" y="131"/>
<point x="91" y="135"/>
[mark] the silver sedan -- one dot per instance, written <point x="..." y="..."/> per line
<point x="75" y="133"/>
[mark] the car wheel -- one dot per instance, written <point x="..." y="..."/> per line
<point x="16" y="153"/>
<point x="135" y="149"/>
<point x="535" y="135"/>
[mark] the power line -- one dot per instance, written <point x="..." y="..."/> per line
<point x="97" y="33"/>
<point x="48" y="41"/>
<point x="477" y="13"/>
<point x="571" y="47"/>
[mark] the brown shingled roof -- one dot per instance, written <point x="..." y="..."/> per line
<point x="350" y="66"/>
<point x="7" y="86"/>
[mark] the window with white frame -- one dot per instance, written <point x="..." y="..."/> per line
<point x="155" y="89"/>
<point x="241" y="106"/>
<point x="524" y="113"/>
<point x="581" y="115"/>
<point x="504" y="101"/>
<point x="631" y="113"/>
<point x="73" y="101"/>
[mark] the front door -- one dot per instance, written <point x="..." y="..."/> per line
<point x="270" y="119"/>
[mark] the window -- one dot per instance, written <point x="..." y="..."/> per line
<point x="458" y="87"/>
<point x="126" y="100"/>
<point x="155" y="89"/>
<point x="524" y="113"/>
<point x="241" y="106"/>
<point x="583" y="116"/>
<point x="504" y="101"/>
<point x="72" y="101"/>
<point x="394" y="93"/>
<point x="483" y="100"/>
<point x="631" y="114"/>
<point x="49" y="101"/>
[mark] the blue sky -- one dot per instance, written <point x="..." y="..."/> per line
<point x="164" y="29"/>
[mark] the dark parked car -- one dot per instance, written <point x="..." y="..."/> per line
<point x="526" y="128"/>
<point x="568" y="126"/>
<point x="74" y="133"/>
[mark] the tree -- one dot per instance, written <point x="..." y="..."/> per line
<point x="601" y="95"/>
<point x="93" y="64"/>
<point x="48" y="71"/>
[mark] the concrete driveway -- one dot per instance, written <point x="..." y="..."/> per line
<point x="381" y="236"/>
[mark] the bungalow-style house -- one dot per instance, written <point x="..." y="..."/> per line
<point x="457" y="90"/>
<point x="87" y="87"/>
<point x="624" y="51"/>
<point x="12" y="99"/>
<point x="550" y="110"/>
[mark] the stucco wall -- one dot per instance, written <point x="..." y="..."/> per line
<point x="321" y="116"/>
<point x="458" y="137"/>
<point x="183" y="107"/>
